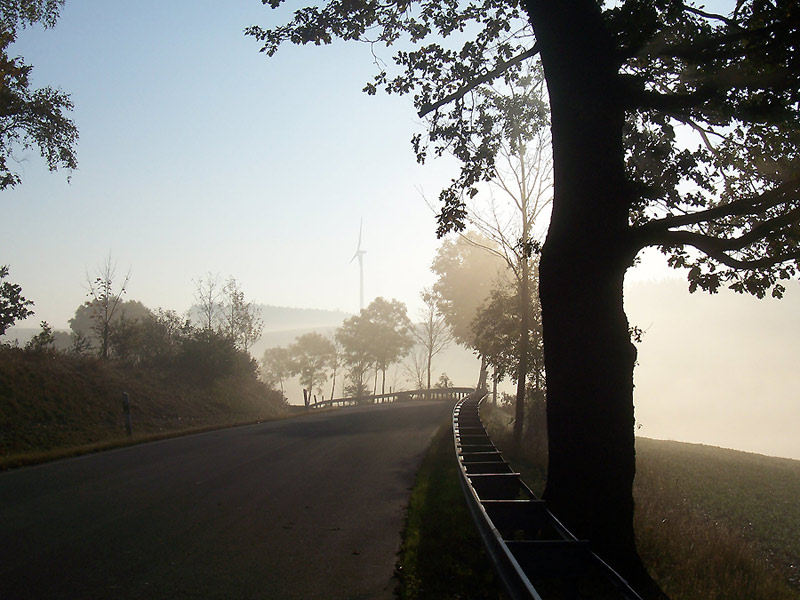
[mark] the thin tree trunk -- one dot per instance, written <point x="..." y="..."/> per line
<point x="482" y="375"/>
<point x="430" y="359"/>
<point x="522" y="353"/>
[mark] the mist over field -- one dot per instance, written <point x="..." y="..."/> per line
<point x="717" y="369"/>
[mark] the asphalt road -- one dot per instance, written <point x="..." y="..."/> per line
<point x="303" y="508"/>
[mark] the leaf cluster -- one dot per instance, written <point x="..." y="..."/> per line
<point x="13" y="305"/>
<point x="722" y="203"/>
<point x="31" y="117"/>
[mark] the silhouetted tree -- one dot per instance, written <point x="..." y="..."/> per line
<point x="31" y="117"/>
<point x="13" y="305"/>
<point x="87" y="323"/>
<point x="44" y="341"/>
<point x="497" y="332"/>
<point x="622" y="79"/>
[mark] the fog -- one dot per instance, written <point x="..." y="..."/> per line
<point x="717" y="369"/>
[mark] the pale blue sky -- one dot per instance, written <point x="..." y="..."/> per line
<point x="199" y="154"/>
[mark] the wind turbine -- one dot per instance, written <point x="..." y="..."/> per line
<point x="360" y="256"/>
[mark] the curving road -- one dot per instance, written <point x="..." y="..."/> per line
<point x="303" y="508"/>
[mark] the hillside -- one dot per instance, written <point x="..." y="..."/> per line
<point x="50" y="402"/>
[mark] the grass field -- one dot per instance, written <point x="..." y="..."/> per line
<point x="711" y="523"/>
<point x="714" y="523"/>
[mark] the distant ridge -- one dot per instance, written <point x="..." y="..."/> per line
<point x="282" y="318"/>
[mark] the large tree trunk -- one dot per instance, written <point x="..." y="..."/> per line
<point x="589" y="357"/>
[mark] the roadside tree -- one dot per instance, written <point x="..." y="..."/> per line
<point x="105" y="301"/>
<point x="390" y="336"/>
<point x="432" y="332"/>
<point x="239" y="320"/>
<point x="31" y="117"/>
<point x="207" y="299"/>
<point x="623" y="80"/>
<point x="354" y="336"/>
<point x="276" y="367"/>
<point x="311" y="355"/>
<point x="44" y="341"/>
<point x="468" y="268"/>
<point x="13" y="305"/>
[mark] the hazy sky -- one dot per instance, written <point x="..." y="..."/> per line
<point x="198" y="154"/>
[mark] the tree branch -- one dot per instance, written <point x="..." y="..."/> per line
<point x="740" y="207"/>
<point x="485" y="78"/>
<point x="714" y="248"/>
<point x="707" y="15"/>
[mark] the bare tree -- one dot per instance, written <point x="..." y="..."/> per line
<point x="240" y="320"/>
<point x="104" y="300"/>
<point x="432" y="332"/>
<point x="414" y="367"/>
<point x="208" y="293"/>
<point x="524" y="178"/>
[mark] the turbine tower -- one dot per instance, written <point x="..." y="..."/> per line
<point x="360" y="256"/>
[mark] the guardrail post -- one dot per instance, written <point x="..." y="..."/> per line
<point x="126" y="406"/>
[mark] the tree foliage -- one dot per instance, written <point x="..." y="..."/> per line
<point x="31" y="117"/>
<point x="466" y="274"/>
<point x="240" y="320"/>
<point x="276" y="367"/>
<point x="13" y="305"/>
<point x="354" y="336"/>
<point x="496" y="326"/>
<point x="390" y="333"/>
<point x="105" y="301"/>
<point x="44" y="341"/>
<point x="311" y="356"/>
<point x="377" y="337"/>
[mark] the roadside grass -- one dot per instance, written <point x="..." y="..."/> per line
<point x="55" y="406"/>
<point x="441" y="555"/>
<point x="711" y="523"/>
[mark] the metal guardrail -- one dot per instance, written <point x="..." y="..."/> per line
<point x="534" y="555"/>
<point x="401" y="396"/>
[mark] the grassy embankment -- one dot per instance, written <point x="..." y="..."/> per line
<point x="54" y="405"/>
<point x="441" y="557"/>
<point x="711" y="523"/>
